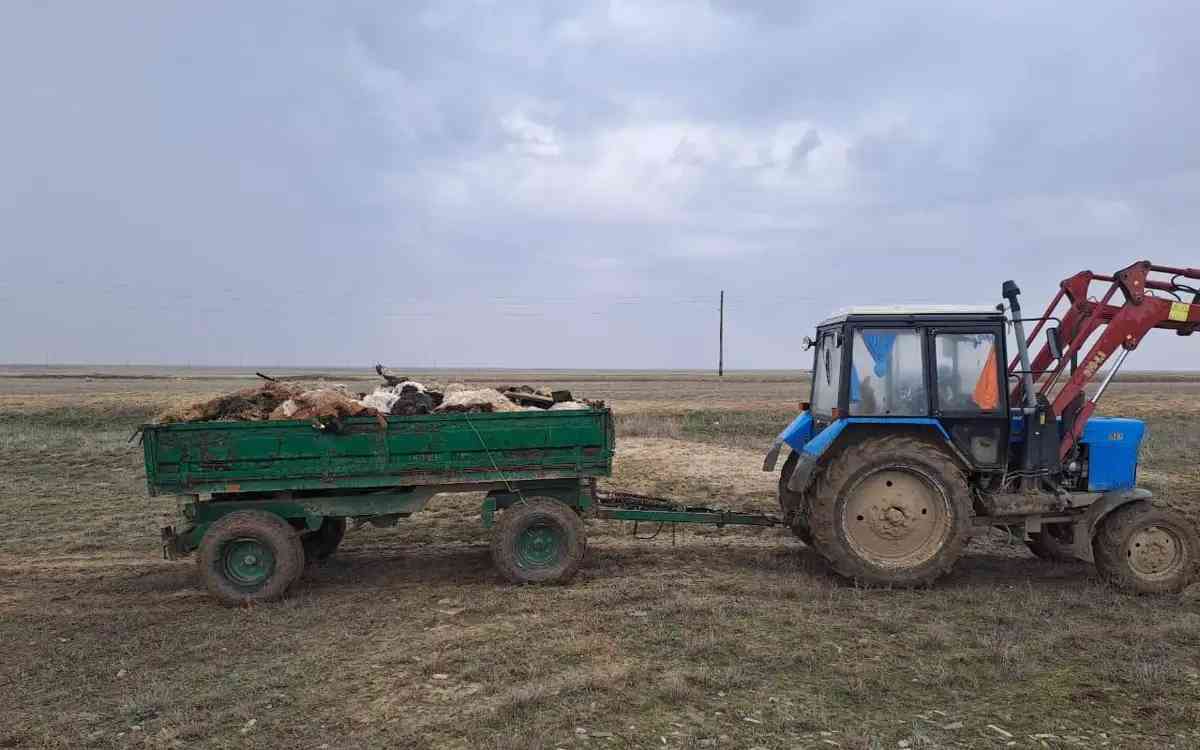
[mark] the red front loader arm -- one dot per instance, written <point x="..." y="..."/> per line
<point x="1109" y="324"/>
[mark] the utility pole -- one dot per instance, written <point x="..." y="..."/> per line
<point x="721" y="339"/>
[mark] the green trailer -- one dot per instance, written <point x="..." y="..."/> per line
<point x="259" y="500"/>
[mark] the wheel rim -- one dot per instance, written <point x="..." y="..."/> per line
<point x="1154" y="552"/>
<point x="896" y="518"/>
<point x="540" y="546"/>
<point x="247" y="561"/>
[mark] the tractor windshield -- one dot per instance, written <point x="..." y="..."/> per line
<point x="886" y="374"/>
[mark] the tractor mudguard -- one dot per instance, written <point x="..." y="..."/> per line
<point x="1086" y="524"/>
<point x="795" y="435"/>
<point x="810" y="454"/>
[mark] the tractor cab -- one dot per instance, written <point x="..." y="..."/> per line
<point x="934" y="367"/>
<point x="932" y="370"/>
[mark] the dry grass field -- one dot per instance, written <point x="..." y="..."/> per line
<point x="701" y="638"/>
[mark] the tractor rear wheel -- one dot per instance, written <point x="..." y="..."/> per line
<point x="1145" y="549"/>
<point x="1055" y="542"/>
<point x="791" y="504"/>
<point x="319" y="545"/>
<point x="250" y="556"/>
<point x="539" y="540"/>
<point x="891" y="511"/>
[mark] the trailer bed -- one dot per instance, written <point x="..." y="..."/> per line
<point x="365" y="453"/>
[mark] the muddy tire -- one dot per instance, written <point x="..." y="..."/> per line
<point x="891" y="511"/>
<point x="322" y="543"/>
<point x="1145" y="549"/>
<point x="1055" y="542"/>
<point x="250" y="556"/>
<point x="791" y="504"/>
<point x="540" y="540"/>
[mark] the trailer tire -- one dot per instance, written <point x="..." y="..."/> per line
<point x="1054" y="542"/>
<point x="539" y="540"/>
<point x="791" y="504"/>
<point x="1144" y="549"/>
<point x="320" y="545"/>
<point x="250" y="556"/>
<point x="893" y="510"/>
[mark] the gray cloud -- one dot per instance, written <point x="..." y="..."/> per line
<point x="426" y="183"/>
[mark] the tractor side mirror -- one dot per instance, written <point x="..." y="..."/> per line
<point x="1054" y="343"/>
<point x="807" y="343"/>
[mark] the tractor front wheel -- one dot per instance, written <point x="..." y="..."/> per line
<point x="891" y="511"/>
<point x="1055" y="542"/>
<point x="538" y="540"/>
<point x="250" y="556"/>
<point x="1144" y="549"/>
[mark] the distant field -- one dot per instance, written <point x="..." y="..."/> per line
<point x="699" y="638"/>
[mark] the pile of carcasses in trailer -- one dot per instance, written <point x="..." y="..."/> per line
<point x="283" y="400"/>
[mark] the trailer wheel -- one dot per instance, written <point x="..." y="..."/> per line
<point x="891" y="511"/>
<point x="539" y="540"/>
<point x="1143" y="549"/>
<point x="1055" y="542"/>
<point x="250" y="556"/>
<point x="319" y="545"/>
<point x="792" y="503"/>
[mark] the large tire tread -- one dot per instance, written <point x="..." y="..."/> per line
<point x="857" y="458"/>
<point x="1046" y="546"/>
<point x="792" y="503"/>
<point x="1115" y="528"/>
<point x="266" y="527"/>
<point x="520" y="516"/>
<point x="320" y="545"/>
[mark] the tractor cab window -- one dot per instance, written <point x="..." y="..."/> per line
<point x="827" y="374"/>
<point x="967" y="372"/>
<point x="887" y="377"/>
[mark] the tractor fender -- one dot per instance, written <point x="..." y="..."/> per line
<point x="813" y="451"/>
<point x="1089" y="521"/>
<point x="795" y="435"/>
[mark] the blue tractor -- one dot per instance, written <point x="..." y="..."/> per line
<point x="918" y="433"/>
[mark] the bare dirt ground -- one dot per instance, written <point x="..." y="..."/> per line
<point x="731" y="638"/>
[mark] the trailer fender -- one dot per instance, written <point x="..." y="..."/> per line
<point x="813" y="451"/>
<point x="1086" y="525"/>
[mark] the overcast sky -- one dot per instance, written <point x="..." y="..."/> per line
<point x="571" y="184"/>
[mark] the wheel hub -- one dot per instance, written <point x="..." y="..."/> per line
<point x="896" y="518"/>
<point x="247" y="561"/>
<point x="539" y="546"/>
<point x="893" y="522"/>
<point x="1153" y="551"/>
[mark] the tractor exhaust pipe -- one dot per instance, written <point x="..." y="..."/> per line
<point x="1010" y="291"/>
